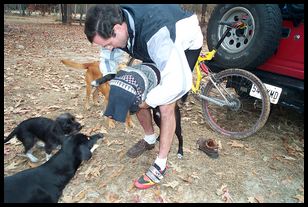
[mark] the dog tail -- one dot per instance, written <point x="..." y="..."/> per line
<point x="11" y="135"/>
<point x="75" y="65"/>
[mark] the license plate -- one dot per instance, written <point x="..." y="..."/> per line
<point x="273" y="91"/>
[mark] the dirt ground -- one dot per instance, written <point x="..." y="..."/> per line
<point x="267" y="167"/>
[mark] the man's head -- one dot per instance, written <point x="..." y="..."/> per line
<point x="105" y="26"/>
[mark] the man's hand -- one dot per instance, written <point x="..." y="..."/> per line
<point x="143" y="105"/>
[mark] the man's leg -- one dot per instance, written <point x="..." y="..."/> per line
<point x="148" y="142"/>
<point x="167" y="130"/>
<point x="145" y="118"/>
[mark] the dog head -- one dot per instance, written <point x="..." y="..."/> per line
<point x="80" y="145"/>
<point x="68" y="124"/>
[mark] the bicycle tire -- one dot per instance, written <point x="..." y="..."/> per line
<point x="245" y="119"/>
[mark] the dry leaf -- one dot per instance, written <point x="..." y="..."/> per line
<point x="112" y="197"/>
<point x="195" y="175"/>
<point x="300" y="198"/>
<point x="251" y="199"/>
<point x="235" y="144"/>
<point x="67" y="199"/>
<point x="172" y="184"/>
<point x="186" y="118"/>
<point x="6" y="150"/>
<point x="259" y="198"/>
<point x="175" y="167"/>
<point x="220" y="191"/>
<point x="33" y="164"/>
<point x="11" y="166"/>
<point x="187" y="150"/>
<point x="187" y="178"/>
<point x="103" y="130"/>
<point x="136" y="199"/>
<point x="288" y="157"/>
<point x="81" y="195"/>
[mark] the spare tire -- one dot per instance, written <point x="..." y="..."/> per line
<point x="249" y="47"/>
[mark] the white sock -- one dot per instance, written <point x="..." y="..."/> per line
<point x="161" y="162"/>
<point x="150" y="139"/>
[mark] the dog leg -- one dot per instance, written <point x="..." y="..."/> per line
<point x="88" y="93"/>
<point x="178" y="131"/>
<point x="31" y="156"/>
<point x="111" y="123"/>
<point x="129" y="121"/>
<point x="95" y="97"/>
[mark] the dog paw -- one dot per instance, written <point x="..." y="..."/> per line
<point x="131" y="125"/>
<point x="111" y="125"/>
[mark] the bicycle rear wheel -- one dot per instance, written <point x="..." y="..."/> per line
<point x="247" y="115"/>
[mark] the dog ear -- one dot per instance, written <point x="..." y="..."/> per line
<point x="85" y="153"/>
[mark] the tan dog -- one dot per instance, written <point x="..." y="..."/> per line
<point x="92" y="73"/>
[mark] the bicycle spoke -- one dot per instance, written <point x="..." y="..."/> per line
<point x="243" y="115"/>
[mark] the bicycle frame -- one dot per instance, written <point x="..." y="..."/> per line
<point x="206" y="57"/>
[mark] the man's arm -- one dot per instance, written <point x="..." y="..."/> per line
<point x="164" y="54"/>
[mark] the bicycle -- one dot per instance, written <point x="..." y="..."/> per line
<point x="225" y="96"/>
<point x="227" y="105"/>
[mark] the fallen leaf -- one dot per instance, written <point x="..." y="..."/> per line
<point x="235" y="144"/>
<point x="195" y="175"/>
<point x="81" y="195"/>
<point x="67" y="199"/>
<point x="251" y="199"/>
<point x="172" y="184"/>
<point x="259" y="198"/>
<point x="187" y="178"/>
<point x="6" y="150"/>
<point x="103" y="130"/>
<point x="300" y="198"/>
<point x="136" y="199"/>
<point x="33" y="164"/>
<point x="112" y="197"/>
<point x="175" y="167"/>
<point x="288" y="157"/>
<point x="11" y="166"/>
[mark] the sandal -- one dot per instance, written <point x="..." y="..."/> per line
<point x="151" y="177"/>
<point x="209" y="146"/>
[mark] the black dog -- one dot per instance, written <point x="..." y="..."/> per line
<point x="44" y="184"/>
<point x="51" y="132"/>
<point x="178" y="129"/>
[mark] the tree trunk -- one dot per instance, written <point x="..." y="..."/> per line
<point x="203" y="11"/>
<point x="66" y="10"/>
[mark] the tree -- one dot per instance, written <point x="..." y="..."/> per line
<point x="203" y="11"/>
<point x="66" y="11"/>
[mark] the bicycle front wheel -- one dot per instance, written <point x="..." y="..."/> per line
<point x="247" y="114"/>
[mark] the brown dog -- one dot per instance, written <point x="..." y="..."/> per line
<point x="92" y="73"/>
